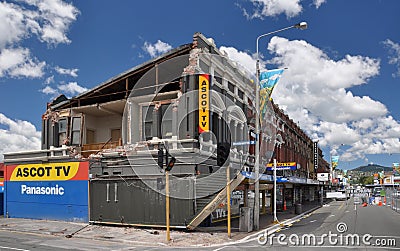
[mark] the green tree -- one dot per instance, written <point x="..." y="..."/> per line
<point x="366" y="180"/>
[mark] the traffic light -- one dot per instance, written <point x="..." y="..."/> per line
<point x="160" y="158"/>
<point x="170" y="163"/>
<point x="169" y="160"/>
<point x="223" y="150"/>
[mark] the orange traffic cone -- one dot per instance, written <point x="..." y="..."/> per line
<point x="384" y="200"/>
<point x="284" y="205"/>
<point x="380" y="203"/>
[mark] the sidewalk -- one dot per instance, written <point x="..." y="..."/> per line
<point x="266" y="220"/>
<point x="214" y="235"/>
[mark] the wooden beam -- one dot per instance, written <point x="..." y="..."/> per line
<point x="218" y="199"/>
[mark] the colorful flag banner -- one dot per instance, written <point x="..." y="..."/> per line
<point x="268" y="80"/>
<point x="334" y="162"/>
<point x="396" y="169"/>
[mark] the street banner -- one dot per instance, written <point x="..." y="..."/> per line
<point x="334" y="162"/>
<point x="396" y="169"/>
<point x="268" y="80"/>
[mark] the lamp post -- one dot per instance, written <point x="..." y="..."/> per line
<point x="302" y="26"/>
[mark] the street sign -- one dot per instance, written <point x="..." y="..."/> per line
<point x="322" y="176"/>
<point x="282" y="166"/>
<point x="242" y="143"/>
<point x="315" y="148"/>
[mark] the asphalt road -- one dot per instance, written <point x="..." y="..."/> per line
<point x="335" y="226"/>
<point x="20" y="241"/>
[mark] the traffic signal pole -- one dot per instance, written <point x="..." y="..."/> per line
<point x="167" y="204"/>
<point x="228" y="198"/>
<point x="169" y="164"/>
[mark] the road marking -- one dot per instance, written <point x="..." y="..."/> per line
<point x="313" y="221"/>
<point x="332" y="215"/>
<point x="341" y="206"/>
<point x="10" y="248"/>
<point x="220" y="248"/>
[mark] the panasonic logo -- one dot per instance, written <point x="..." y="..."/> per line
<point x="55" y="190"/>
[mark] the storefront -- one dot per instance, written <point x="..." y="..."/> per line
<point x="53" y="191"/>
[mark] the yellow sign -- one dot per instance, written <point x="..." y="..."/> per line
<point x="204" y="103"/>
<point x="46" y="172"/>
<point x="282" y="164"/>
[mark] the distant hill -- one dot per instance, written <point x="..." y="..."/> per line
<point x="372" y="168"/>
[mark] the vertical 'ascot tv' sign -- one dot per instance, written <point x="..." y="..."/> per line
<point x="204" y="103"/>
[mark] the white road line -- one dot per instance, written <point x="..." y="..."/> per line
<point x="10" y="248"/>
<point x="220" y="248"/>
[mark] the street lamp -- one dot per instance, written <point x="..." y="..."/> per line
<point x="302" y="26"/>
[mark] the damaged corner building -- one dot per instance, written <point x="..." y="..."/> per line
<point x="188" y="113"/>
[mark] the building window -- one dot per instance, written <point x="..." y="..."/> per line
<point x="218" y="79"/>
<point x="90" y="136"/>
<point x="240" y="94"/>
<point x="76" y="131"/>
<point x="231" y="87"/>
<point x="166" y="121"/>
<point x="115" y="134"/>
<point x="147" y="118"/>
<point x="62" y="131"/>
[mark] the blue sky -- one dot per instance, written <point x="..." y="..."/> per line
<point x="341" y="85"/>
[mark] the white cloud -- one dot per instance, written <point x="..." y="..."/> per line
<point x="48" y="20"/>
<point x="72" y="88"/>
<point x="394" y="58"/>
<point x="49" y="80"/>
<point x="12" y="26"/>
<point x="49" y="90"/>
<point x="263" y="8"/>
<point x="64" y="71"/>
<point x="156" y="49"/>
<point x="241" y="57"/>
<point x="318" y="3"/>
<point x="18" y="62"/>
<point x="271" y="8"/>
<point x="18" y="136"/>
<point x="55" y="17"/>
<point x="314" y="91"/>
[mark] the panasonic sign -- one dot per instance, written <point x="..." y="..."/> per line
<point x="39" y="190"/>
